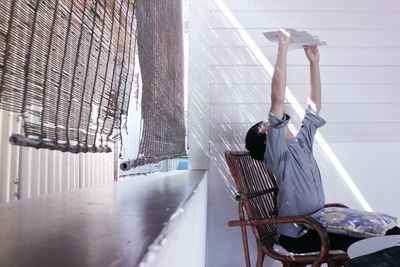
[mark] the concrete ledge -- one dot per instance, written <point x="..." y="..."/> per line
<point x="182" y="242"/>
<point x="110" y="225"/>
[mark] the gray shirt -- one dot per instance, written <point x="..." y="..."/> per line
<point x="296" y="171"/>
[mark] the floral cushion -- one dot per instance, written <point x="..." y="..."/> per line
<point x="353" y="222"/>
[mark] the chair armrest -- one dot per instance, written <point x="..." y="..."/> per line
<point x="323" y="235"/>
<point x="340" y="205"/>
<point x="280" y="220"/>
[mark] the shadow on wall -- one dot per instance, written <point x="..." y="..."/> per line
<point x="247" y="76"/>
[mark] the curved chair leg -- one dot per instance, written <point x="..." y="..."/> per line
<point x="260" y="258"/>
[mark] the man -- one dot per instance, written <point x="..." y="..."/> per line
<point x="291" y="158"/>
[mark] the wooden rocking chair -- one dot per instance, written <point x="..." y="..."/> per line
<point x="257" y="195"/>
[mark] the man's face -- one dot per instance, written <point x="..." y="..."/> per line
<point x="263" y="127"/>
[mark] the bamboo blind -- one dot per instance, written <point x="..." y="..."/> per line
<point x="160" y="50"/>
<point x="67" y="67"/>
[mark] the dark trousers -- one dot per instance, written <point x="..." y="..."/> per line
<point x="311" y="242"/>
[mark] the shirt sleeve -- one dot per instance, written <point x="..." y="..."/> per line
<point x="276" y="143"/>
<point x="310" y="125"/>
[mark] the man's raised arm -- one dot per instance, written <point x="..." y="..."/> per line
<point x="279" y="77"/>
<point x="314" y="96"/>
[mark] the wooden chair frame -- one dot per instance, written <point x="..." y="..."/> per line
<point x="257" y="193"/>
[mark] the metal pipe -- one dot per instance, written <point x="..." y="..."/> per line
<point x="129" y="164"/>
<point x="17" y="139"/>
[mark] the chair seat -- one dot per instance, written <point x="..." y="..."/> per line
<point x="282" y="251"/>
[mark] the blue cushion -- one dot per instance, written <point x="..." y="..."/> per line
<point x="356" y="223"/>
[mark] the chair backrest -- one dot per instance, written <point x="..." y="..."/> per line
<point x="257" y="189"/>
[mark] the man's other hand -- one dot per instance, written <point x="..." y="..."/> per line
<point x="312" y="53"/>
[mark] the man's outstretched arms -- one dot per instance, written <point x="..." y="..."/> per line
<point x="279" y="77"/>
<point x="314" y="96"/>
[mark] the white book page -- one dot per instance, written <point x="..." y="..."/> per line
<point x="299" y="39"/>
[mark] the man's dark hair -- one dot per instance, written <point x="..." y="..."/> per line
<point x="256" y="142"/>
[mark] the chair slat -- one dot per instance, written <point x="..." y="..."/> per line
<point x="257" y="188"/>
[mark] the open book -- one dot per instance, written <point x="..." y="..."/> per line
<point x="299" y="39"/>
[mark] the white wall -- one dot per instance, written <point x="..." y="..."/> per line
<point x="29" y="172"/>
<point x="360" y="69"/>
<point x="198" y="83"/>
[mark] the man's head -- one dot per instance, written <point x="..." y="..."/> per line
<point x="256" y="139"/>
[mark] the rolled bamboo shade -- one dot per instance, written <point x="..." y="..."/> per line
<point x="67" y="67"/>
<point x="160" y="50"/>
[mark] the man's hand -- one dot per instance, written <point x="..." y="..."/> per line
<point x="314" y="96"/>
<point x="284" y="36"/>
<point x="278" y="84"/>
<point x="312" y="54"/>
